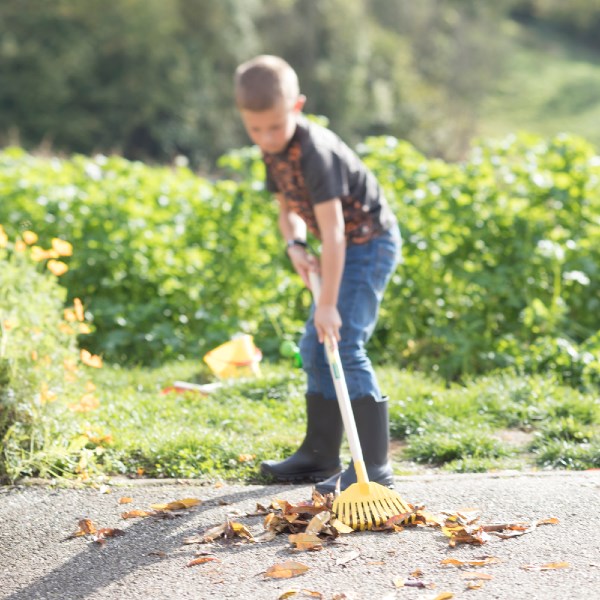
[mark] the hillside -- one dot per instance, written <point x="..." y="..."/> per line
<point x="550" y="85"/>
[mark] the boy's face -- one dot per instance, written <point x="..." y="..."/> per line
<point x="272" y="129"/>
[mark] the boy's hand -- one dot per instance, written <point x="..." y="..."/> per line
<point x="303" y="262"/>
<point x="327" y="322"/>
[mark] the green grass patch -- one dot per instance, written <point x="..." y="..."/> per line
<point x="500" y="421"/>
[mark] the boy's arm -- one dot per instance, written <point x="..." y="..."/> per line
<point x="292" y="227"/>
<point x="330" y="219"/>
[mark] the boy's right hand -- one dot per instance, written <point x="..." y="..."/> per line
<point x="303" y="262"/>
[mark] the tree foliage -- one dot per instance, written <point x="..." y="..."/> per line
<point x="151" y="79"/>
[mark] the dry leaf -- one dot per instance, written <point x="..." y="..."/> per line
<point x="486" y="560"/>
<point x="136" y="514"/>
<point x="202" y="560"/>
<point x="306" y="541"/>
<point x="341" y="527"/>
<point x="107" y="532"/>
<point x="265" y="536"/>
<point x="465" y="534"/>
<point x="125" y="500"/>
<point x="547" y="566"/>
<point x="549" y="521"/>
<point x="413" y="583"/>
<point x="238" y="530"/>
<point x="177" y="504"/>
<point x="318" y="522"/>
<point x="347" y="557"/>
<point x="305" y="593"/>
<point x="286" y="570"/>
<point x="444" y="596"/>
<point x="474" y="585"/>
<point x="86" y="527"/>
<point x="476" y="575"/>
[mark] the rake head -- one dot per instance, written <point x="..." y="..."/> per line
<point x="367" y="505"/>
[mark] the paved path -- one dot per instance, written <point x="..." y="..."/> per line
<point x="150" y="560"/>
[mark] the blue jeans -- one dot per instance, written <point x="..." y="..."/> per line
<point x="367" y="270"/>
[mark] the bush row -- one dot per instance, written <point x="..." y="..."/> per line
<point x="501" y="254"/>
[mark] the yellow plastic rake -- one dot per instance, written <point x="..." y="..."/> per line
<point x="364" y="504"/>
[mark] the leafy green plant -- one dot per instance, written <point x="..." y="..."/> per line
<point x="501" y="255"/>
<point x="41" y="371"/>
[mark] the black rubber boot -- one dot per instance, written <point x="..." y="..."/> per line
<point x="319" y="454"/>
<point x="372" y="423"/>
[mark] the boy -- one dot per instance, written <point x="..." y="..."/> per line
<point x="322" y="185"/>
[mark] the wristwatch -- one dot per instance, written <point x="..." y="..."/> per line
<point x="292" y="243"/>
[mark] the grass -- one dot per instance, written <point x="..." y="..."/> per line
<point x="550" y="85"/>
<point x="500" y="421"/>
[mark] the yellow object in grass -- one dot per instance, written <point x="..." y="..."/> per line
<point x="237" y="358"/>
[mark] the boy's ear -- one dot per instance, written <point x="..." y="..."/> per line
<point x="299" y="104"/>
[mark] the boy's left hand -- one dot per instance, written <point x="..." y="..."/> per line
<point x="327" y="322"/>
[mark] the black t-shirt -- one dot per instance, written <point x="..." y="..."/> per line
<point x="318" y="166"/>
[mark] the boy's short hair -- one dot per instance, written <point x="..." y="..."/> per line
<point x="263" y="81"/>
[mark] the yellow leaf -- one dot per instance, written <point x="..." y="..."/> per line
<point x="125" y="500"/>
<point x="286" y="570"/>
<point x="177" y="504"/>
<point x="135" y="514"/>
<point x="306" y="541"/>
<point x="341" y="527"/>
<point x="444" y="596"/>
<point x="488" y="560"/>
<point x="318" y="522"/>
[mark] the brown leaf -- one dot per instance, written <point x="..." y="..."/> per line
<point x="305" y="593"/>
<point x="549" y="521"/>
<point x="177" y="504"/>
<point x="318" y="522"/>
<point x="474" y="585"/>
<point x="547" y="566"/>
<point x="286" y="570"/>
<point x="466" y="534"/>
<point x="108" y="532"/>
<point x="341" y="527"/>
<point x="136" y="514"/>
<point x="486" y="560"/>
<point x="238" y="530"/>
<point x="86" y="527"/>
<point x="476" y="575"/>
<point x="306" y="541"/>
<point x="265" y="536"/>
<point x="202" y="560"/>
<point x="125" y="500"/>
<point x="413" y="583"/>
<point x="444" y="596"/>
<point x="347" y="557"/>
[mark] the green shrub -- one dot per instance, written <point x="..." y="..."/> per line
<point x="501" y="257"/>
<point x="41" y="377"/>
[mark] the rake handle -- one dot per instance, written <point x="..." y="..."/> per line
<point x="341" y="391"/>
